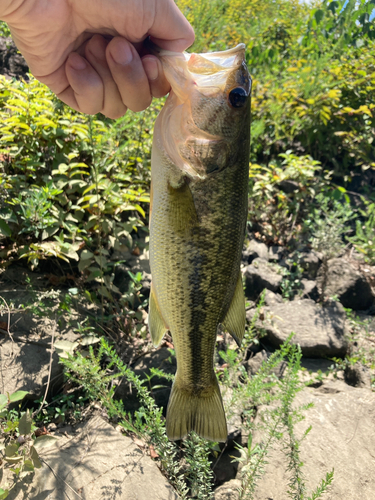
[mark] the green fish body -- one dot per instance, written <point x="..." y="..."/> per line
<point x="200" y="170"/>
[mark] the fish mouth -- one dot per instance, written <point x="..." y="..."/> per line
<point x="207" y="72"/>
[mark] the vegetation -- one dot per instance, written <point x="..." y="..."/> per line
<point x="74" y="205"/>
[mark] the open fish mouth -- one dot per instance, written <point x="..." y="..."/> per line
<point x="208" y="72"/>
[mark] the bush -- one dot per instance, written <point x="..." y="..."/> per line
<point x="68" y="181"/>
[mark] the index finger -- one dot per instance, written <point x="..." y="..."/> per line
<point x="171" y="30"/>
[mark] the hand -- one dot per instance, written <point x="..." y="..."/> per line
<point x="88" y="52"/>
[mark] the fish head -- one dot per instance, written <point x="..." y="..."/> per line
<point x="207" y="113"/>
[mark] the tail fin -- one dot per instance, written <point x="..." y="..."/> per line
<point x="202" y="412"/>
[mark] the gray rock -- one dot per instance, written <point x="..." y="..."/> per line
<point x="25" y="366"/>
<point x="309" y="290"/>
<point x="275" y="253"/>
<point x="234" y="420"/>
<point x="310" y="263"/>
<point x="253" y="364"/>
<point x="226" y="467"/>
<point x="134" y="264"/>
<point x="342" y="438"/>
<point x="158" y="358"/>
<point x="260" y="275"/>
<point x="288" y="186"/>
<point x="97" y="463"/>
<point x="357" y="376"/>
<point x="255" y="249"/>
<point x="320" y="331"/>
<point x="348" y="284"/>
<point x="228" y="491"/>
<point x="271" y="298"/>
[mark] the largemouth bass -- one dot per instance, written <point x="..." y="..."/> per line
<point x="199" y="190"/>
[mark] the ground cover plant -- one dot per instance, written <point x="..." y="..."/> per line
<point x="74" y="196"/>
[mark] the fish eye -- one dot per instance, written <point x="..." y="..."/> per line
<point x="237" y="97"/>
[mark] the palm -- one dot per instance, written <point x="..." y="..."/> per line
<point x="59" y="40"/>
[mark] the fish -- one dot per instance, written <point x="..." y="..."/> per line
<point x="198" y="214"/>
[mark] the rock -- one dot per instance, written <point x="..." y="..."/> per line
<point x="97" y="463"/>
<point x="234" y="420"/>
<point x="357" y="376"/>
<point x="320" y="331"/>
<point x="228" y="491"/>
<point x="310" y="263"/>
<point x="275" y="253"/>
<point x="253" y="364"/>
<point x="342" y="438"/>
<point x="260" y="275"/>
<point x="11" y="63"/>
<point x="348" y="284"/>
<point x="309" y="290"/>
<point x="25" y="367"/>
<point x="158" y="358"/>
<point x="134" y="264"/>
<point x="271" y="298"/>
<point x="288" y="186"/>
<point x="226" y="467"/>
<point x="255" y="249"/>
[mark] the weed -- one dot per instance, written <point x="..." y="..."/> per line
<point x="364" y="238"/>
<point x="292" y="278"/>
<point x="328" y="224"/>
<point x="18" y="443"/>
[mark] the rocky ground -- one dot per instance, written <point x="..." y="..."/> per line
<point x="343" y="417"/>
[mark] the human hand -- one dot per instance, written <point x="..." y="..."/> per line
<point x="89" y="52"/>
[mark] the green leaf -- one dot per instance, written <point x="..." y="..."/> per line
<point x="11" y="449"/>
<point x="3" y="493"/>
<point x="3" y="401"/>
<point x="64" y="347"/>
<point x="35" y="458"/>
<point x="86" y="254"/>
<point x="44" y="441"/>
<point x="25" y="423"/>
<point x="319" y="14"/>
<point x="13" y="460"/>
<point x="17" y="396"/>
<point x="89" y="340"/>
<point x="5" y="229"/>
<point x="28" y="466"/>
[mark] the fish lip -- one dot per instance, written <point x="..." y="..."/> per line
<point x="183" y="72"/>
<point x="224" y="58"/>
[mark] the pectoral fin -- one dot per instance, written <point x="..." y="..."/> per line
<point x="155" y="321"/>
<point x="234" y="321"/>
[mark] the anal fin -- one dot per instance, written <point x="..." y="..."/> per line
<point x="155" y="321"/>
<point x="235" y="319"/>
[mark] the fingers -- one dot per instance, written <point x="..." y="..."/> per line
<point x="86" y="90"/>
<point x="128" y="73"/>
<point x="159" y="85"/>
<point x="112" y="78"/>
<point x="171" y="30"/>
<point x="112" y="103"/>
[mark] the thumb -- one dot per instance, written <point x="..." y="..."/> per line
<point x="171" y="30"/>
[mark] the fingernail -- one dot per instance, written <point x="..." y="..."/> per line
<point x="151" y="68"/>
<point x="122" y="53"/>
<point x="77" y="62"/>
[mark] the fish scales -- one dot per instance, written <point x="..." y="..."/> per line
<point x="200" y="162"/>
